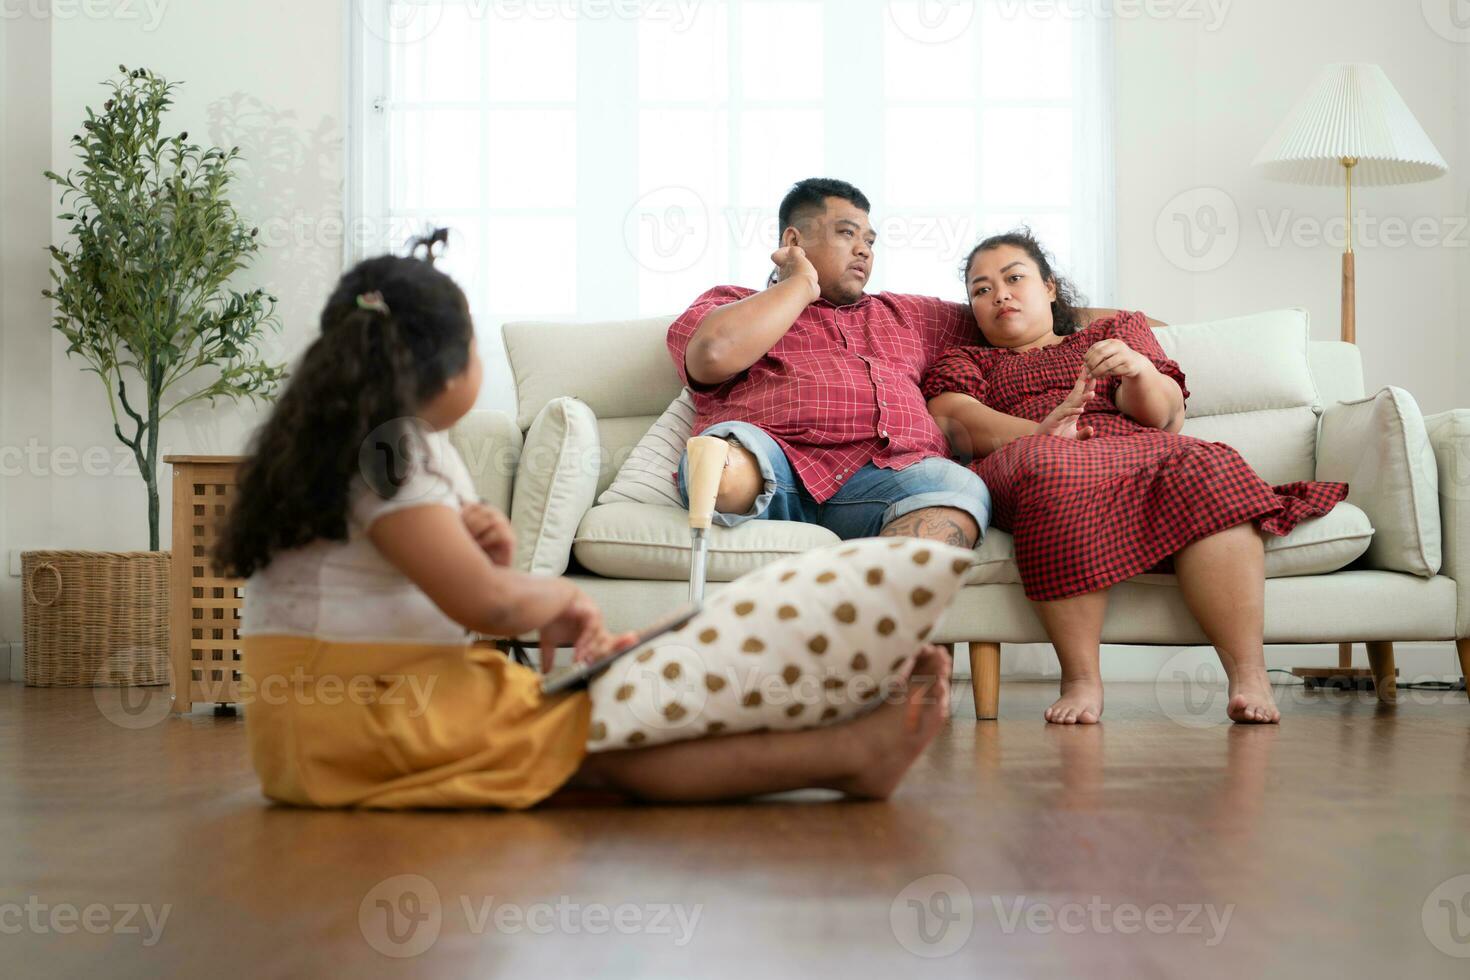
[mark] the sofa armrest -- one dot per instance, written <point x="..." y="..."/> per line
<point x="490" y="443"/>
<point x="1449" y="433"/>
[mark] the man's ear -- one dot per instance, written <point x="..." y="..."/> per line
<point x="790" y="237"/>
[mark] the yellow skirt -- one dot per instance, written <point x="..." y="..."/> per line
<point x="392" y="726"/>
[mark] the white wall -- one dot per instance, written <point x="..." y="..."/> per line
<point x="1195" y="106"/>
<point x="266" y="75"/>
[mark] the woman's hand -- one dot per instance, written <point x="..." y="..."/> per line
<point x="491" y="531"/>
<point x="1114" y="359"/>
<point x="579" y="625"/>
<point x="1064" y="422"/>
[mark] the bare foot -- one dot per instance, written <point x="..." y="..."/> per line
<point x="1251" y="702"/>
<point x="1081" y="703"/>
<point x="892" y="737"/>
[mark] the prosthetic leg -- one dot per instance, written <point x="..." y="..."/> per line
<point x="707" y="456"/>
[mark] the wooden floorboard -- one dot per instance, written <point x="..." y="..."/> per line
<point x="1333" y="843"/>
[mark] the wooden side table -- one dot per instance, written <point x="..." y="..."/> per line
<point x="204" y="609"/>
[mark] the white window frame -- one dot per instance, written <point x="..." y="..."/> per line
<point x="608" y="106"/>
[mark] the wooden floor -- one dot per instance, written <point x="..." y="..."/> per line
<point x="1155" y="845"/>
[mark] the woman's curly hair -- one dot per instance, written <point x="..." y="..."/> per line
<point x="1066" y="316"/>
<point x="393" y="333"/>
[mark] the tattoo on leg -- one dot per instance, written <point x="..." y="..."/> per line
<point x="931" y="523"/>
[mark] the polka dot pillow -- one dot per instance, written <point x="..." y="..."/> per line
<point x="814" y="639"/>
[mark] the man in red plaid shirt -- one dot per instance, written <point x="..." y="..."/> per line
<point x="816" y="386"/>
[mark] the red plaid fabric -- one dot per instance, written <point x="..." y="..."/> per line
<point x="841" y="388"/>
<point x="1087" y="515"/>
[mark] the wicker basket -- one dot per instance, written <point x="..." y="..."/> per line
<point x="96" y="618"/>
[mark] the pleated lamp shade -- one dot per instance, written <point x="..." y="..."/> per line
<point x="1351" y="110"/>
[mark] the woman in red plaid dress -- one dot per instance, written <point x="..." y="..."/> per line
<point x="1075" y="433"/>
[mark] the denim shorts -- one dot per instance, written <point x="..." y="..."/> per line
<point x="868" y="501"/>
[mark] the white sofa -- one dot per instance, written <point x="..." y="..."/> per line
<point x="1257" y="383"/>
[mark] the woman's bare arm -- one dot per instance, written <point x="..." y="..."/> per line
<point x="974" y="430"/>
<point x="1152" y="398"/>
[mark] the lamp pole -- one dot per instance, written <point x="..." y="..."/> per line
<point x="1349" y="300"/>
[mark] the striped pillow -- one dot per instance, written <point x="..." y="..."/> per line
<point x="649" y="476"/>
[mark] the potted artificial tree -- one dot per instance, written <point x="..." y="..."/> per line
<point x="144" y="295"/>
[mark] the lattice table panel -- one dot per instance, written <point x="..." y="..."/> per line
<point x="204" y="613"/>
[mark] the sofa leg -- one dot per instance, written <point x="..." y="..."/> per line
<point x="1462" y="647"/>
<point x="1380" y="661"/>
<point x="985" y="679"/>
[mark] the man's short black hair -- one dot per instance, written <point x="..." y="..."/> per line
<point x="809" y="196"/>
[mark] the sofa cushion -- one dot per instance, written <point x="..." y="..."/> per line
<point x="1380" y="448"/>
<point x="1316" y="545"/>
<point x="490" y="444"/>
<point x="649" y="473"/>
<point x="555" y="485"/>
<point x="1251" y="387"/>
<point x="814" y="639"/>
<point x="1320" y="544"/>
<point x="619" y="368"/>
<point x="650" y="541"/>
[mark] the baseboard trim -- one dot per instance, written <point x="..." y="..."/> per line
<point x="12" y="661"/>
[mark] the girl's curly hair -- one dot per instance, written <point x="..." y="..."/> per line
<point x="394" y="331"/>
<point x="1065" y="316"/>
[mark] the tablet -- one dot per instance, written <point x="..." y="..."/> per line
<point x="577" y="675"/>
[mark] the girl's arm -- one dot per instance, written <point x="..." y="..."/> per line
<point x="431" y="546"/>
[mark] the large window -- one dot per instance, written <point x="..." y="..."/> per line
<point x="600" y="159"/>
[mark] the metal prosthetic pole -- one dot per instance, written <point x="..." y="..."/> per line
<point x="707" y="456"/>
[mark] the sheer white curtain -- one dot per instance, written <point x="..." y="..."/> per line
<point x="599" y="159"/>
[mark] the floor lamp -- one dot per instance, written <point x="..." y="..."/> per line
<point x="1350" y="127"/>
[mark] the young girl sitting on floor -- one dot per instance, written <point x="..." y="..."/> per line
<point x="370" y="559"/>
<point x="1074" y="429"/>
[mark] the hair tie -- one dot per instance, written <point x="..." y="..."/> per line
<point x="373" y="301"/>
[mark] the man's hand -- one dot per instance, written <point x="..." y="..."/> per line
<point x="1064" y="420"/>
<point x="491" y="531"/>
<point x="791" y="263"/>
<point x="1113" y="358"/>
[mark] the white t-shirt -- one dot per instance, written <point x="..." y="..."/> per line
<point x="346" y="590"/>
